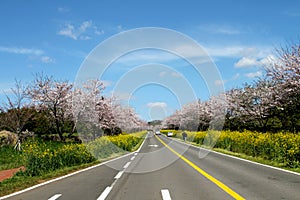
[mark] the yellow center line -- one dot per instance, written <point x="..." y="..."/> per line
<point x="205" y="174"/>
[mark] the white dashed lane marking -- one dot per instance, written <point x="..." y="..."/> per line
<point x="126" y="165"/>
<point x="165" y="194"/>
<point x="119" y="175"/>
<point x="104" y="193"/>
<point x="55" y="197"/>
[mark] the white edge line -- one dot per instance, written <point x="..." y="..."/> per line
<point x="165" y="194"/>
<point x="242" y="159"/>
<point x="74" y="173"/>
<point x="141" y="145"/>
<point x="104" y="193"/>
<point x="62" y="177"/>
<point x="119" y="175"/>
<point x="55" y="197"/>
<point x="126" y="165"/>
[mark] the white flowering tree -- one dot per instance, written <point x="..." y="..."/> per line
<point x="88" y="107"/>
<point x="126" y="118"/>
<point x="253" y="105"/>
<point x="190" y="116"/>
<point x="53" y="97"/>
<point x="97" y="115"/>
<point x="286" y="76"/>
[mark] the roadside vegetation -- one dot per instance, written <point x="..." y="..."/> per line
<point x="259" y="121"/>
<point x="276" y="149"/>
<point x="43" y="160"/>
<point x="271" y="103"/>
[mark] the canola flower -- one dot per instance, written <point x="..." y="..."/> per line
<point x="104" y="147"/>
<point x="280" y="147"/>
<point x="43" y="157"/>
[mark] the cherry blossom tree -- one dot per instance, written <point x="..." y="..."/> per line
<point x="253" y="105"/>
<point x="286" y="75"/>
<point x="87" y="108"/>
<point x="101" y="115"/>
<point x="126" y="118"/>
<point x="190" y="116"/>
<point x="199" y="115"/>
<point x="173" y="121"/>
<point x="53" y="96"/>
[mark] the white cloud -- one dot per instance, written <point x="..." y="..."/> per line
<point x="97" y="31"/>
<point x="85" y="37"/>
<point x="162" y="74"/>
<point x="270" y="59"/>
<point x="292" y="13"/>
<point x="68" y="31"/>
<point x="246" y="62"/>
<point x="236" y="51"/>
<point x="47" y="59"/>
<point x="175" y="74"/>
<point x="81" y="31"/>
<point x="254" y="74"/>
<point x="253" y="62"/>
<point x="18" y="50"/>
<point x="219" y="82"/>
<point x="85" y="25"/>
<point x="220" y="29"/>
<point x="140" y="56"/>
<point x="32" y="53"/>
<point x="63" y="9"/>
<point x="157" y="104"/>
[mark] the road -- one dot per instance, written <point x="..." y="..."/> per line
<point x="165" y="168"/>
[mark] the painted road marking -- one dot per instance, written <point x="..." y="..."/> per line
<point x="63" y="177"/>
<point x="153" y="145"/>
<point x="132" y="158"/>
<point x="165" y="194"/>
<point x="126" y="165"/>
<point x="119" y="175"/>
<point x="237" y="158"/>
<point x="72" y="174"/>
<point x="55" y="197"/>
<point x="205" y="174"/>
<point x="104" y="193"/>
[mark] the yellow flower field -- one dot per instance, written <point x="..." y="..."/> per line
<point x="280" y="147"/>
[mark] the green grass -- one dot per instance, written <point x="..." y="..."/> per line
<point x="10" y="158"/>
<point x="21" y="180"/>
<point x="40" y="150"/>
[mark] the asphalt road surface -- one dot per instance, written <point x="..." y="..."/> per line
<point x="165" y="168"/>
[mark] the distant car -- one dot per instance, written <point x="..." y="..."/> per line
<point x="157" y="133"/>
<point x="170" y="134"/>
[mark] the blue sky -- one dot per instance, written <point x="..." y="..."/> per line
<point x="54" y="37"/>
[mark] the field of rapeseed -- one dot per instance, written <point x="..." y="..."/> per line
<point x="41" y="157"/>
<point x="44" y="157"/>
<point x="104" y="147"/>
<point x="280" y="147"/>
